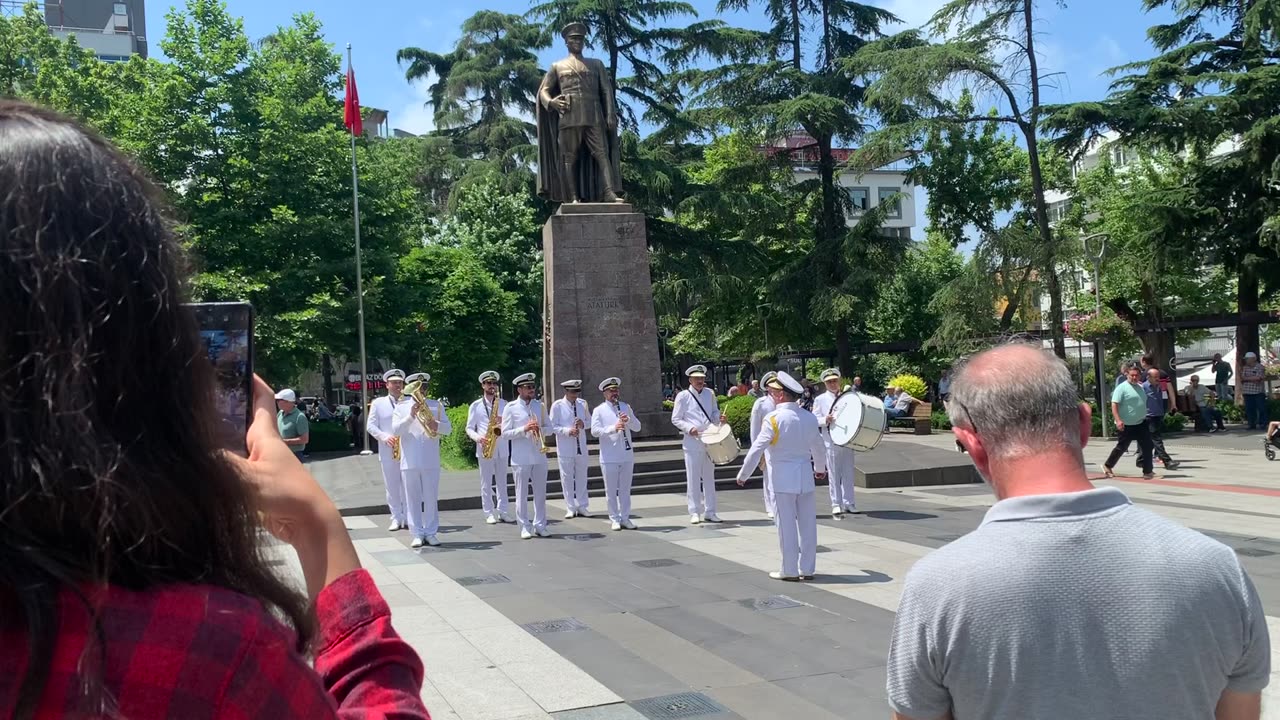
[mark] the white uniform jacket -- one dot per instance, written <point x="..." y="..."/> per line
<point x="789" y="439"/>
<point x="686" y="415"/>
<point x="613" y="443"/>
<point x="381" y="414"/>
<point x="417" y="451"/>
<point x="478" y="425"/>
<point x="562" y="418"/>
<point x="524" y="444"/>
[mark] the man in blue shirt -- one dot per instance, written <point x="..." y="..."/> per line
<point x="1156" y="407"/>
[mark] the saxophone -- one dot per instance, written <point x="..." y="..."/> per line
<point x="416" y="391"/>
<point x="492" y="433"/>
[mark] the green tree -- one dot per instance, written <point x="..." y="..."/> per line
<point x="56" y="72"/>
<point x="990" y="44"/>
<point x="763" y="85"/>
<point x="491" y="73"/>
<point x="904" y="307"/>
<point x="1212" y="94"/>
<point x="455" y="317"/>
<point x="499" y="230"/>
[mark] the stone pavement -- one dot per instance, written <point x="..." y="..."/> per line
<point x="678" y="621"/>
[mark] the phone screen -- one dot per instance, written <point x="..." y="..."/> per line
<point x="227" y="332"/>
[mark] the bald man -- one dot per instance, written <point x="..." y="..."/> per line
<point x="1030" y="597"/>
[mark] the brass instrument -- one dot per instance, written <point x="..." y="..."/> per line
<point x="494" y="431"/>
<point x="418" y="391"/>
<point x="395" y="448"/>
<point x="543" y="447"/>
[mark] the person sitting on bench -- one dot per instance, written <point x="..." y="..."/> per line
<point x="901" y="405"/>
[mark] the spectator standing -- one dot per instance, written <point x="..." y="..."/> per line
<point x="1253" y="388"/>
<point x="292" y="422"/>
<point x="1021" y="618"/>
<point x="1129" y="411"/>
<point x="1157" y="407"/>
<point x="1123" y="377"/>
<point x="1222" y="373"/>
<point x="944" y="385"/>
<point x="354" y="416"/>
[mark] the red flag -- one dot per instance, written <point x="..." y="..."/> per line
<point x="353" y="121"/>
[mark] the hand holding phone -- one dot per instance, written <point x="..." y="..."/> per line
<point x="227" y="332"/>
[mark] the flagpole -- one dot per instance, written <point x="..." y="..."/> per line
<point x="355" y="198"/>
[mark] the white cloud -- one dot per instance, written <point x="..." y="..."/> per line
<point x="414" y="115"/>
<point x="913" y="13"/>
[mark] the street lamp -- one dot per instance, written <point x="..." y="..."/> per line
<point x="1095" y="246"/>
<point x="764" y="321"/>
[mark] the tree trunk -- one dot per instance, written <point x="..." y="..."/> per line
<point x="1029" y="130"/>
<point x="327" y="369"/>
<point x="795" y="34"/>
<point x="827" y="61"/>
<point x="844" y="350"/>
<point x="1247" y="336"/>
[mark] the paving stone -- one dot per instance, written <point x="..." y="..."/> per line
<point x="680" y="705"/>
<point x="768" y="701"/>
<point x="618" y="711"/>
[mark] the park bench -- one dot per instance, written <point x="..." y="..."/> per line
<point x="920" y="417"/>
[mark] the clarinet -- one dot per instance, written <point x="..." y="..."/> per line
<point x="577" y="442"/>
<point x="626" y="432"/>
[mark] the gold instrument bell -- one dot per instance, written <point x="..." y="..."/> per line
<point x="418" y="391"/>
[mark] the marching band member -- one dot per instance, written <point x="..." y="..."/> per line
<point x="763" y="406"/>
<point x="613" y="422"/>
<point x="525" y="423"/>
<point x="381" y="411"/>
<point x="796" y="455"/>
<point x="839" y="458"/>
<point x="696" y="410"/>
<point x="486" y="413"/>
<point x="569" y="418"/>
<point x="420" y="461"/>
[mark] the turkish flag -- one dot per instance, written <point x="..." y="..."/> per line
<point x="353" y="121"/>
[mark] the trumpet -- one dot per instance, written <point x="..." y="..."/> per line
<point x="418" y="392"/>
<point x="494" y="431"/>
<point x="542" y="439"/>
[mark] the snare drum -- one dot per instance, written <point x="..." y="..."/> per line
<point x="860" y="422"/>
<point x="722" y="446"/>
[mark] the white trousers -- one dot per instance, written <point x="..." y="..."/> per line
<point x="769" y="504"/>
<point x="840" y="476"/>
<point x="422" y="490"/>
<point x="573" y="480"/>
<point x="394" y="480"/>
<point x="797" y="532"/>
<point x="700" y="482"/>
<point x="537" y="476"/>
<point x="493" y="485"/>
<point x="617" y="488"/>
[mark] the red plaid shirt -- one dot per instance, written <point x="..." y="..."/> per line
<point x="194" y="651"/>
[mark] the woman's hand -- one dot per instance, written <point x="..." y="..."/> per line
<point x="291" y="504"/>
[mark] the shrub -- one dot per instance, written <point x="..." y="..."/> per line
<point x="721" y="400"/>
<point x="1092" y="327"/>
<point x="939" y="420"/>
<point x="668" y="405"/>
<point x="329" y="437"/>
<point x="458" y="444"/>
<point x="912" y="384"/>
<point x="738" y="412"/>
<point x="1231" y="412"/>
<point x="1173" y="423"/>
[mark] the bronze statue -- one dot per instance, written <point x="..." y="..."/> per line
<point x="578" y="155"/>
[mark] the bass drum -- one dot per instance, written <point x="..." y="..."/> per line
<point x="722" y="446"/>
<point x="860" y="422"/>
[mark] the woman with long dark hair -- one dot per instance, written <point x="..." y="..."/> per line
<point x="132" y="579"/>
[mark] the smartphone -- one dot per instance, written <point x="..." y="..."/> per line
<point x="226" y="328"/>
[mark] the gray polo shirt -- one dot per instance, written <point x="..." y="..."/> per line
<point x="1072" y="606"/>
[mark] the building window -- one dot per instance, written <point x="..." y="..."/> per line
<point x="887" y="195"/>
<point x="859" y="199"/>
<point x="1120" y="157"/>
<point x="901" y="233"/>
<point x="1058" y="211"/>
<point x="120" y="9"/>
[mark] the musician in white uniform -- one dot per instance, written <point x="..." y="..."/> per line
<point x="696" y="410"/>
<point x="378" y="425"/>
<point x="525" y="422"/>
<point x="420" y="462"/>
<point x="763" y="406"/>
<point x="569" y="419"/>
<point x="613" y="422"/>
<point x="839" y="458"/>
<point x="796" y="455"/>
<point x="493" y="471"/>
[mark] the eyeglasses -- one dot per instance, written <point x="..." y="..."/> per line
<point x="968" y="418"/>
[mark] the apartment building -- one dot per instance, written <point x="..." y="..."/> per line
<point x="114" y="31"/>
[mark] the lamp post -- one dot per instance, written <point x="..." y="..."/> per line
<point x="764" y="321"/>
<point x="1095" y="246"/>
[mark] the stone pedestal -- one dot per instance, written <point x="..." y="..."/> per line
<point x="598" y="305"/>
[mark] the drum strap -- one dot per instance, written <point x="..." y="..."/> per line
<point x="773" y="422"/>
<point x="704" y="410"/>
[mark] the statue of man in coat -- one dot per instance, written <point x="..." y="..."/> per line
<point x="578" y="154"/>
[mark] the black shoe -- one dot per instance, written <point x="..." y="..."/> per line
<point x="1172" y="465"/>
